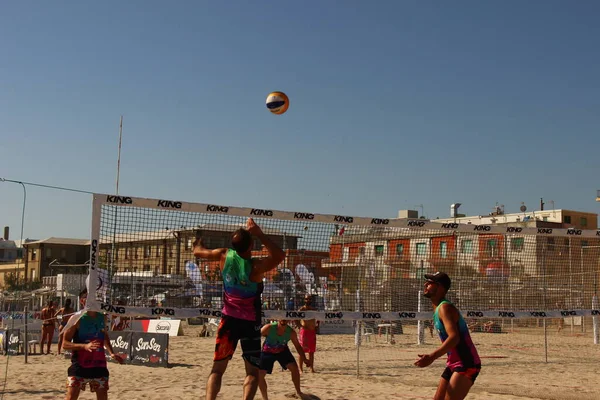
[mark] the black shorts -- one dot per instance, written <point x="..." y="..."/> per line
<point x="472" y="373"/>
<point x="233" y="330"/>
<point x="267" y="360"/>
<point x="87" y="373"/>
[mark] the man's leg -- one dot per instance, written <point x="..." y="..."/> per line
<point x="50" y="336"/>
<point x="213" y="386"/>
<point x="440" y="394"/>
<point x="262" y="384"/>
<point x="60" y="339"/>
<point x="251" y="381"/>
<point x="458" y="387"/>
<point x="311" y="360"/>
<point x="101" y="394"/>
<point x="73" y="393"/>
<point x="43" y="339"/>
<point x="293" y="367"/>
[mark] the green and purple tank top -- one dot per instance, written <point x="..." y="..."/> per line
<point x="241" y="296"/>
<point x="275" y="343"/>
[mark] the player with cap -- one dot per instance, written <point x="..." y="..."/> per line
<point x="463" y="364"/>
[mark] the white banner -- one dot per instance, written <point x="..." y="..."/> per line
<point x="170" y="326"/>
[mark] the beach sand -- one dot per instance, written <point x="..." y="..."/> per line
<point x="514" y="367"/>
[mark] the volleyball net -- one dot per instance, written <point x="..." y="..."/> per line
<point x="354" y="268"/>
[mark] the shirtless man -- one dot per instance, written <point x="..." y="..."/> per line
<point x="308" y="334"/>
<point x="66" y="312"/>
<point x="48" y="326"/>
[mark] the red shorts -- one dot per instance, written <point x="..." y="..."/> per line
<point x="308" y="340"/>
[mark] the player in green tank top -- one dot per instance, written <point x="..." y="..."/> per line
<point x="241" y="320"/>
<point x="275" y="349"/>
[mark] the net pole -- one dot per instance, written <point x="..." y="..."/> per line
<point x="571" y="284"/>
<point x="582" y="294"/>
<point x="26" y="341"/>
<point x="358" y="340"/>
<point x="357" y="334"/>
<point x="545" y="290"/>
<point x="595" y="328"/>
<point x="420" y="324"/>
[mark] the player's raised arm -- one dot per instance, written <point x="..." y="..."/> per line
<point x="208" y="254"/>
<point x="276" y="255"/>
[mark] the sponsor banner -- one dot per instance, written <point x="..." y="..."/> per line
<point x="171" y="327"/>
<point x="128" y="201"/>
<point x="16" y="315"/>
<point x="10" y="341"/>
<point x="149" y="349"/>
<point x="138" y="348"/>
<point x="121" y="344"/>
<point x="336" y="327"/>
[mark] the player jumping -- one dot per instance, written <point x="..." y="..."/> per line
<point x="241" y="320"/>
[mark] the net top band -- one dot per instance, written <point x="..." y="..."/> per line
<point x="344" y="220"/>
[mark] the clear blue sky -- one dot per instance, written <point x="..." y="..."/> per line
<point x="393" y="105"/>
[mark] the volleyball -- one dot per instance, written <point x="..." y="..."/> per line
<point x="277" y="102"/>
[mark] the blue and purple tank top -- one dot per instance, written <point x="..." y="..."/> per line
<point x="464" y="354"/>
<point x="90" y="329"/>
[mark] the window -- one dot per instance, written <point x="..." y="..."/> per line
<point x="443" y="249"/>
<point x="33" y="255"/>
<point x="550" y="243"/>
<point x="584" y="243"/>
<point x="135" y="253"/>
<point x="378" y="250"/>
<point x="421" y="248"/>
<point x="171" y="250"/>
<point x="399" y="249"/>
<point x="48" y="253"/>
<point x="490" y="247"/>
<point x="361" y="251"/>
<point x="516" y="244"/>
<point x="188" y="244"/>
<point x="583" y="222"/>
<point x="147" y="251"/>
<point x="466" y="246"/>
<point x="158" y="251"/>
<point x="567" y="219"/>
<point x="1" y="253"/>
<point x="146" y="267"/>
<point x="126" y="253"/>
<point x="545" y="219"/>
